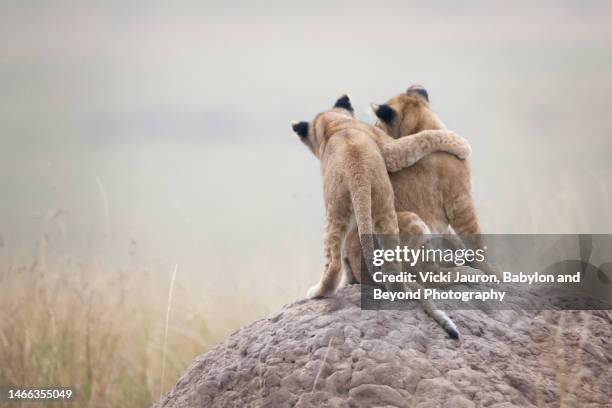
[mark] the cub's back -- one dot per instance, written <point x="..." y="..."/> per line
<point x="424" y="187"/>
<point x="351" y="150"/>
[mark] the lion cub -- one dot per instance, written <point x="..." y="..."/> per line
<point x="356" y="184"/>
<point x="437" y="188"/>
<point x="432" y="196"/>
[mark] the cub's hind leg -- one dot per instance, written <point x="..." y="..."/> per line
<point x="387" y="234"/>
<point x="351" y="262"/>
<point x="350" y="250"/>
<point x="461" y="213"/>
<point x="409" y="224"/>
<point x="413" y="229"/>
<point x="336" y="225"/>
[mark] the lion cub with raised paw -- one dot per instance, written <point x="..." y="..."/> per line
<point x="438" y="187"/>
<point x="432" y="196"/>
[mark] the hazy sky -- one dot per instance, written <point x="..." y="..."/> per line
<point x="172" y="118"/>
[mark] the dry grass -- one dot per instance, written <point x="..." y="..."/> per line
<point x="119" y="335"/>
<point x="102" y="331"/>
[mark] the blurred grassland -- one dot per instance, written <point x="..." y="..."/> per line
<point x="101" y="330"/>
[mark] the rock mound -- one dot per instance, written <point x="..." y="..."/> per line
<point x="330" y="353"/>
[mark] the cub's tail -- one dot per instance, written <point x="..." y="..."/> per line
<point x="438" y="315"/>
<point x="361" y="198"/>
<point x="442" y="319"/>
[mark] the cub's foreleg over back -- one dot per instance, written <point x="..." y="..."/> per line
<point x="405" y="151"/>
<point x="401" y="152"/>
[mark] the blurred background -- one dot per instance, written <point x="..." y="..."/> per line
<point x="154" y="197"/>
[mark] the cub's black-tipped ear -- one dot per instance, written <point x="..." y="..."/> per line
<point x="383" y="112"/>
<point x="420" y="90"/>
<point x="300" y="128"/>
<point x="344" y="102"/>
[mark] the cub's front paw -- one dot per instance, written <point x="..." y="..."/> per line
<point x="462" y="148"/>
<point x="464" y="151"/>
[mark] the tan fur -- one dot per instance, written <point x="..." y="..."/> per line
<point x="437" y="187"/>
<point x="356" y="183"/>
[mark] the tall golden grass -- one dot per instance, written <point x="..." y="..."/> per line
<point x="108" y="333"/>
<point x="119" y="335"/>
